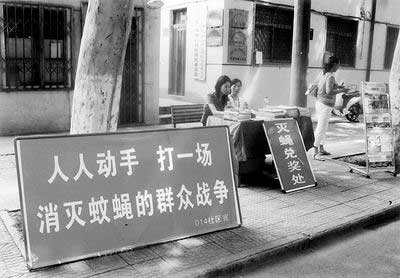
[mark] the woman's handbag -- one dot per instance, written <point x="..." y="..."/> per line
<point x="312" y="90"/>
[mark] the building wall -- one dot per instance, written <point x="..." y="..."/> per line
<point x="23" y="112"/>
<point x="274" y="79"/>
<point x="40" y="111"/>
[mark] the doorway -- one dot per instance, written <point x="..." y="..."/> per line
<point x="131" y="107"/>
<point x="177" y="65"/>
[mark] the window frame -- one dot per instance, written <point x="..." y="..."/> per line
<point x="273" y="60"/>
<point x="66" y="60"/>
<point x="386" y="66"/>
<point x="343" y="63"/>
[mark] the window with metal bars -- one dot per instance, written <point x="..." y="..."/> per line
<point x="341" y="39"/>
<point x="36" y="48"/>
<point x="273" y="33"/>
<point x="391" y="40"/>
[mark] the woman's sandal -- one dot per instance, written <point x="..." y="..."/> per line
<point x="323" y="152"/>
<point x="317" y="156"/>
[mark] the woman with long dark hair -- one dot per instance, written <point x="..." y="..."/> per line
<point x="217" y="100"/>
<point x="326" y="97"/>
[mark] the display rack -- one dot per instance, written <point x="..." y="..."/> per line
<point x="379" y="154"/>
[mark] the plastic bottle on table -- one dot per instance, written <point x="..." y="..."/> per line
<point x="266" y="102"/>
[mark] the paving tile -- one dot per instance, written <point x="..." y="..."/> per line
<point x="106" y="263"/>
<point x="297" y="198"/>
<point x="254" y="235"/>
<point x="219" y="236"/>
<point x="236" y="244"/>
<point x="345" y="196"/>
<point x="372" y="200"/>
<point x="12" y="258"/>
<point x="138" y="255"/>
<point x="154" y="268"/>
<point x="254" y="198"/>
<point x="390" y="194"/>
<point x="168" y="249"/>
<point x="358" y="204"/>
<point x="192" y="242"/>
<point x="377" y="187"/>
<point x="120" y="273"/>
<point x="5" y="237"/>
<point x="285" y="228"/>
<point x="197" y="256"/>
<point x="325" y="202"/>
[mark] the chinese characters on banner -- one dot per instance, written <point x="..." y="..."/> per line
<point x="291" y="161"/>
<point x="199" y="42"/>
<point x="86" y="195"/>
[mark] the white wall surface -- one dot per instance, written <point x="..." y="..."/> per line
<point x="34" y="111"/>
<point x="388" y="11"/>
<point x="317" y="44"/>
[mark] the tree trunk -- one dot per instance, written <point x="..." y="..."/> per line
<point x="394" y="89"/>
<point x="98" y="79"/>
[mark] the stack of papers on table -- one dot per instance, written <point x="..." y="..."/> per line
<point x="304" y="111"/>
<point x="237" y="116"/>
<point x="270" y="113"/>
<point x="291" y="111"/>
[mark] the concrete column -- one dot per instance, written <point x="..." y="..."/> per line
<point x="371" y="40"/>
<point x="300" y="47"/>
<point x="394" y="85"/>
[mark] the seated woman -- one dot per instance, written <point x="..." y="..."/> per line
<point x="217" y="100"/>
<point x="234" y="101"/>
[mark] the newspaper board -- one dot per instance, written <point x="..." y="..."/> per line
<point x="88" y="195"/>
<point x="378" y="126"/>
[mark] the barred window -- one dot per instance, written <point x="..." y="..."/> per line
<point x="391" y="40"/>
<point x="37" y="47"/>
<point x="274" y="33"/>
<point x="341" y="39"/>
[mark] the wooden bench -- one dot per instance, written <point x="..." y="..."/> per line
<point x="190" y="113"/>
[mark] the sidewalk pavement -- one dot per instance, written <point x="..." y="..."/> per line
<point x="273" y="223"/>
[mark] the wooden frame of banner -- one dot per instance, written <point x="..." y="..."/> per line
<point x="28" y="256"/>
<point x="276" y="166"/>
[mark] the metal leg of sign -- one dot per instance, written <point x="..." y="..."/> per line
<point x="359" y="171"/>
<point x="392" y="172"/>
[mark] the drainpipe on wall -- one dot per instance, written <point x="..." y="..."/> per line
<point x="371" y="41"/>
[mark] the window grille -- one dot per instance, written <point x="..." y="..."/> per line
<point x="391" y="40"/>
<point x="341" y="39"/>
<point x="274" y="33"/>
<point x="37" y="46"/>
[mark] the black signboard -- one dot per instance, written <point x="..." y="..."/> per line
<point x="291" y="161"/>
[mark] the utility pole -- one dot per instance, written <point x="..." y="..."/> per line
<point x="394" y="90"/>
<point x="300" y="47"/>
<point x="98" y="79"/>
<point x="371" y="40"/>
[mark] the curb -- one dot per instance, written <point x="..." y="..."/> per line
<point x="281" y="246"/>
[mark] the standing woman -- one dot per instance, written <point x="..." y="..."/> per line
<point x="326" y="97"/>
<point x="217" y="100"/>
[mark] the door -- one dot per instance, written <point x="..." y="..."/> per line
<point x="177" y="66"/>
<point x="131" y="102"/>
